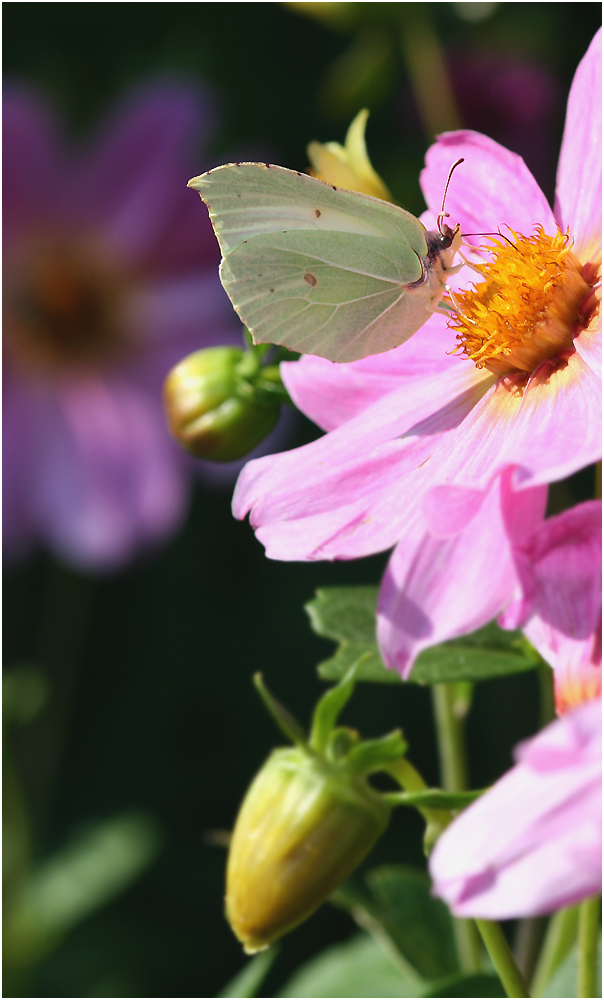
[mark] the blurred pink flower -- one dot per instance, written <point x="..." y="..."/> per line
<point x="533" y="842"/>
<point x="109" y="279"/>
<point x="420" y="439"/>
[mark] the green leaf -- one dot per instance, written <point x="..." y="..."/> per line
<point x="479" y="984"/>
<point x="347" y="615"/>
<point x="399" y="912"/>
<point x="368" y="660"/>
<point x="359" y="968"/>
<point x="488" y="652"/>
<point x="564" y="980"/>
<point x="247" y="982"/>
<point x="80" y="878"/>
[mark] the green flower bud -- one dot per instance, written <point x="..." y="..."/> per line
<point x="307" y="821"/>
<point x="214" y="409"/>
<point x="304" y="826"/>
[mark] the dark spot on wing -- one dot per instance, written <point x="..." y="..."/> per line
<point x="317" y="213"/>
<point x="310" y="279"/>
<point x="268" y="166"/>
<point x="334" y="187"/>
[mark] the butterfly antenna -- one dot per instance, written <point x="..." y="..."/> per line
<point x="498" y="233"/>
<point x="442" y="214"/>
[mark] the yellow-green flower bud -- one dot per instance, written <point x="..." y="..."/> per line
<point x="214" y="411"/>
<point x="348" y="166"/>
<point x="304" y="826"/>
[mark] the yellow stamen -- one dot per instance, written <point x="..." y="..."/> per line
<point x="524" y="311"/>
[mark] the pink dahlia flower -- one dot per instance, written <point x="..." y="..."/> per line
<point x="475" y="412"/>
<point x="109" y="279"/>
<point x="533" y="842"/>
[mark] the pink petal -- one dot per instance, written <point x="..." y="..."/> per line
<point x="536" y="433"/>
<point x="492" y="188"/>
<point x="589" y="346"/>
<point x="579" y="187"/>
<point x="558" y="427"/>
<point x="577" y="663"/>
<point x="560" y="571"/>
<point x="532" y="843"/>
<point x="350" y="492"/>
<point x="331" y="393"/>
<point x="436" y="589"/>
<point x="108" y="477"/>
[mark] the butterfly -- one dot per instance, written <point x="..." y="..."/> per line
<point x="320" y="269"/>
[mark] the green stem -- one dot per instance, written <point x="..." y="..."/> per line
<point x="411" y="780"/>
<point x="502" y="958"/>
<point x="454" y="777"/>
<point x="559" y="939"/>
<point x="527" y="944"/>
<point x="450" y="735"/>
<point x="589" y="923"/>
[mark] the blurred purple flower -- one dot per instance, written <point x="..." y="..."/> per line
<point x="533" y="842"/>
<point x="110" y="277"/>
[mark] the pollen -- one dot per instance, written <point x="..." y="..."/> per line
<point x="524" y="310"/>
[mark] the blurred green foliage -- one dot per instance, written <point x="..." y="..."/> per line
<point x="150" y="704"/>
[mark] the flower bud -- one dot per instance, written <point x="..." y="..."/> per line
<point x="304" y="826"/>
<point x="214" y="411"/>
<point x="348" y="166"/>
<point x="308" y="819"/>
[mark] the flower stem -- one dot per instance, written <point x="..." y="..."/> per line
<point x="589" y="923"/>
<point x="411" y="780"/>
<point x="454" y="777"/>
<point x="559" y="939"/>
<point x="502" y="958"/>
<point x="450" y="735"/>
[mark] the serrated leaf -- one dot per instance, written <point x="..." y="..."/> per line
<point x="347" y="615"/>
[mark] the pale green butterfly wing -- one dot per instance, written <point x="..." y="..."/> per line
<point x="318" y="269"/>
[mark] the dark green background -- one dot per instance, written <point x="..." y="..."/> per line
<point x="152" y="703"/>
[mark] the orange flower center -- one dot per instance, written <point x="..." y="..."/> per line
<point x="524" y="311"/>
